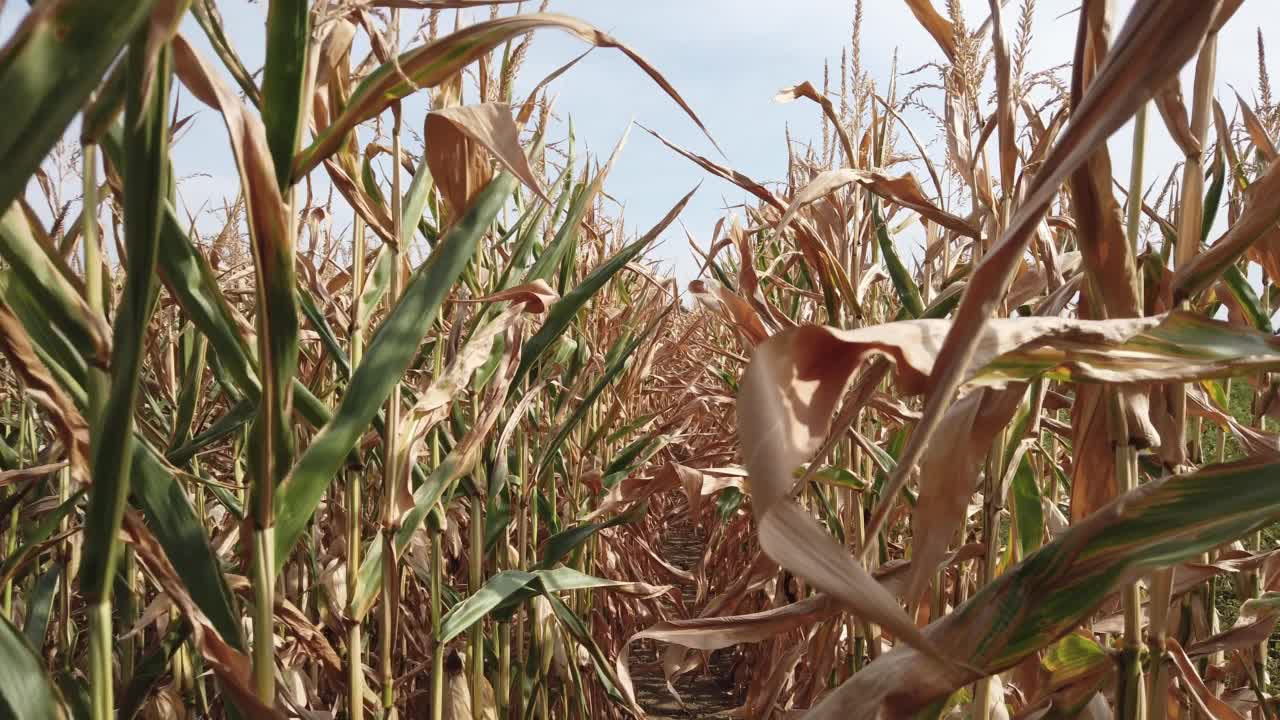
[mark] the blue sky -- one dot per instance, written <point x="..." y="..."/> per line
<point x="728" y="58"/>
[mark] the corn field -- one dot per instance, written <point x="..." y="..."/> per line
<point x="956" y="420"/>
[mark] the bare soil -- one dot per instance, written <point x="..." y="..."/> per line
<point x="707" y="692"/>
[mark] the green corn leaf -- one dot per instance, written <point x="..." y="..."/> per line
<point x="26" y="690"/>
<point x="908" y="293"/>
<point x="387" y="357"/>
<point x="320" y="324"/>
<point x="151" y="670"/>
<point x="56" y="57"/>
<point x="1051" y="591"/>
<point x="283" y="81"/>
<point x="37" y="268"/>
<point x="40" y="606"/>
<point x="210" y="21"/>
<point x="1176" y="346"/>
<point x="168" y="512"/>
<point x="172" y="518"/>
<point x="1245" y="296"/>
<point x="616" y="363"/>
<point x="508" y="590"/>
<point x="194" y="345"/>
<point x="1073" y="658"/>
<point x="566" y="541"/>
<point x="579" y="631"/>
<point x="1027" y="511"/>
<point x="146" y="146"/>
<point x="562" y="313"/>
<point x="65" y="364"/>
<point x="75" y="695"/>
<point x="480" y="603"/>
<point x="839" y="477"/>
<point x="100" y="115"/>
<point x="375" y="287"/>
<point x="8" y="456"/>
<point x="529" y="224"/>
<point x="415" y="198"/>
<point x="1213" y="195"/>
<point x="944" y="303"/>
<point x="234" y="419"/>
<point x="567" y="236"/>
<point x="192" y="283"/>
<point x="728" y="503"/>
<point x="636" y="453"/>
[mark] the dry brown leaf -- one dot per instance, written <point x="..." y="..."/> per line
<point x="732" y="308"/>
<point x="1174" y="112"/>
<point x="1257" y="132"/>
<point x="1253" y="626"/>
<point x="903" y="190"/>
<point x="492" y="127"/>
<point x="939" y="27"/>
<point x="808" y="91"/>
<point x="433" y="407"/>
<point x="948" y="474"/>
<point x="458" y="167"/>
<point x="1253" y="232"/>
<point x="720" y="171"/>
<point x="231" y="666"/>
<point x="534" y="297"/>
<point x="268" y="217"/>
<point x="1204" y="698"/>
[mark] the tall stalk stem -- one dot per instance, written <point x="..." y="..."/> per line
<point x="355" y="482"/>
<point x="390" y="473"/>
<point x="437" y="567"/>
<point x="475" y="582"/>
<point x="1130" y="698"/>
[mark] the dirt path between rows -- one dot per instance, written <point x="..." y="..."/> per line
<point x="707" y="692"/>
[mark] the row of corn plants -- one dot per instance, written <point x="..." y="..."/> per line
<point x="1000" y="408"/>
<point x="298" y="467"/>
<point x="434" y="462"/>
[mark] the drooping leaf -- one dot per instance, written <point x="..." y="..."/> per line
<point x="435" y="62"/>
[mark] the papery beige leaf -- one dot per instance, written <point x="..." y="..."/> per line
<point x="1257" y="131"/>
<point x="1254" y="625"/>
<point x="949" y="471"/>
<point x="903" y="190"/>
<point x="807" y="90"/>
<point x="492" y="126"/>
<point x="535" y="297"/>
<point x="433" y="407"/>
<point x="732" y="307"/>
<point x="785" y="404"/>
<point x="458" y="166"/>
<point x="161" y="27"/>
<point x="1169" y="102"/>
<point x="457" y="692"/>
<point x="749" y="279"/>
<point x="266" y="208"/>
<point x="939" y="27"/>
